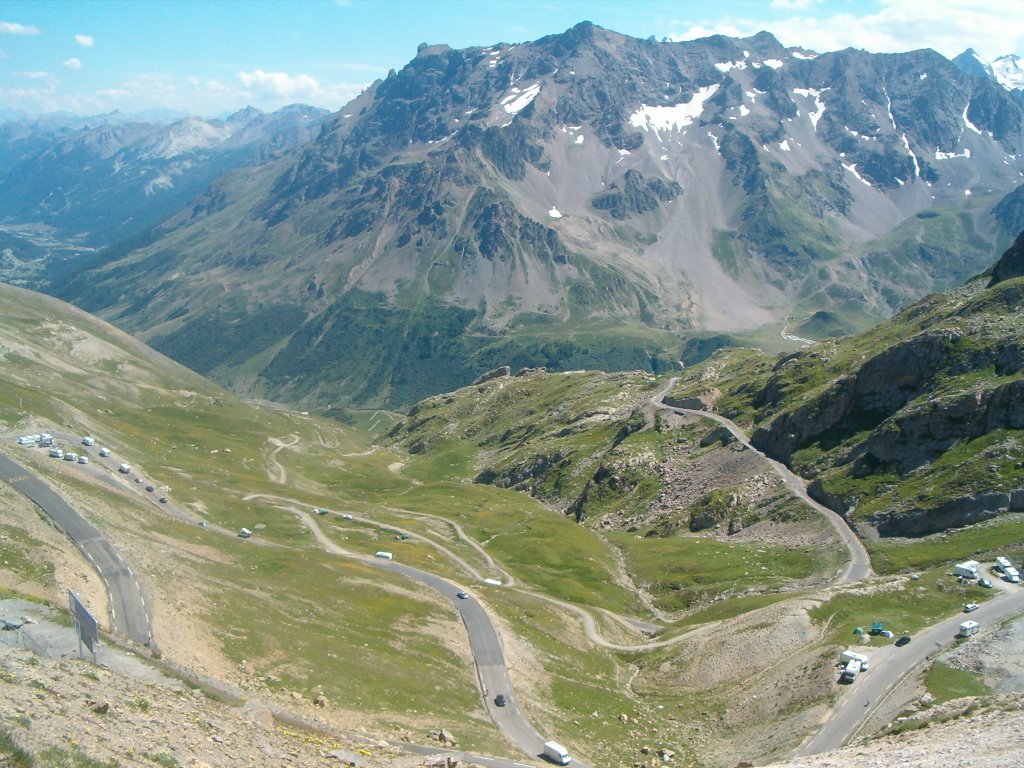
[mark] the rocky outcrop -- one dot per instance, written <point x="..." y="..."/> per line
<point x="955" y="513"/>
<point x="865" y="399"/>
<point x="497" y="373"/>
<point x="920" y="436"/>
<point x="1011" y="264"/>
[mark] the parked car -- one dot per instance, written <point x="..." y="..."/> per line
<point x="462" y="595"/>
<point x="83" y="459"/>
<point x="985" y="583"/>
<point x="970" y="607"/>
<point x="904" y="640"/>
<point x="163" y="499"/>
<point x="149" y="488"/>
<point x="500" y="700"/>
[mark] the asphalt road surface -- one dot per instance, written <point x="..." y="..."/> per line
<point x="888" y="665"/>
<point x="859" y="566"/>
<point x="490" y="661"/>
<point x="128" y="614"/>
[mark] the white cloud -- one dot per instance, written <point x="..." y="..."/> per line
<point x="794" y="5"/>
<point x="33" y="75"/>
<point x="72" y="64"/>
<point x="85" y="41"/>
<point x="279" y="83"/>
<point x="947" y="26"/>
<point x="280" y="88"/>
<point x="11" y="28"/>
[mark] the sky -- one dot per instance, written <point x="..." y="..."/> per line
<point x="213" y="57"/>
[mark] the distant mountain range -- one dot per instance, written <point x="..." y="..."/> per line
<point x="585" y="200"/>
<point x="1006" y="70"/>
<point x="102" y="178"/>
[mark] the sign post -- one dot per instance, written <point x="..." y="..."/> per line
<point x="85" y="626"/>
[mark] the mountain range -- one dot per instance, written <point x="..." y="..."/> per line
<point x="95" y="181"/>
<point x="585" y="200"/>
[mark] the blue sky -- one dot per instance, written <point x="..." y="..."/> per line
<point x="212" y="57"/>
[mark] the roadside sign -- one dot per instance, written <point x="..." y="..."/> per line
<point x="85" y="624"/>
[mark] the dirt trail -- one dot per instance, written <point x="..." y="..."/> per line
<point x="275" y="469"/>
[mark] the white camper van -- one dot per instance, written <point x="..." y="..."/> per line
<point x="556" y="753"/>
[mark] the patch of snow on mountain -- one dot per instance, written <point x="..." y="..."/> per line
<point x="518" y="100"/>
<point x="743" y="110"/>
<point x="773" y="63"/>
<point x="725" y="66"/>
<point x="819" y="105"/>
<point x="906" y="144"/>
<point x="950" y="155"/>
<point x="554" y="213"/>
<point x="804" y="56"/>
<point x="923" y="76"/>
<point x="579" y="139"/>
<point x="967" y="192"/>
<point x="888" y="108"/>
<point x="1008" y="72"/>
<point x="714" y="139"/>
<point x="853" y="169"/>
<point x="784" y="145"/>
<point x="624" y="152"/>
<point x="968" y="123"/>
<point x="677" y="116"/>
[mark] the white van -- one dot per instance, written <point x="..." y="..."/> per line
<point x="70" y="457"/>
<point x="385" y="555"/>
<point x="57" y="453"/>
<point x="556" y="753"/>
<point x="87" y="441"/>
<point x="244" y="533"/>
<point x="83" y="459"/>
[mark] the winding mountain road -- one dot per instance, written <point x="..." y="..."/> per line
<point x="859" y="566"/>
<point x="484" y="641"/>
<point x="128" y="613"/>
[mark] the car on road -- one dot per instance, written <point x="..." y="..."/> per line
<point x="462" y="595"/>
<point x="500" y="700"/>
<point x="149" y="488"/>
<point x="104" y="452"/>
<point x="163" y="499"/>
<point x="970" y="607"/>
<point x="138" y="479"/>
<point x="83" y="459"/>
<point x="904" y="640"/>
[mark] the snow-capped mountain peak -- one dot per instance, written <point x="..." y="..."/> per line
<point x="1008" y="72"/>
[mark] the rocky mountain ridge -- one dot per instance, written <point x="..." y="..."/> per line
<point x="100" y="180"/>
<point x="481" y="197"/>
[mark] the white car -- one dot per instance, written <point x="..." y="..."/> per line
<point x="83" y="459"/>
<point x="971" y="607"/>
